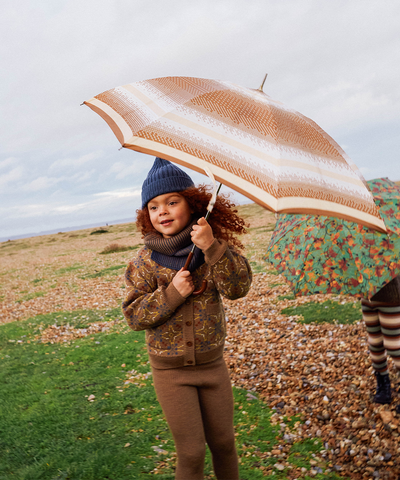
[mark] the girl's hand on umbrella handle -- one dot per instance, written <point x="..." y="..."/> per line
<point x="183" y="282"/>
<point x="202" y="234"/>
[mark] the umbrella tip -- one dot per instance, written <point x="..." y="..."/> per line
<point x="262" y="85"/>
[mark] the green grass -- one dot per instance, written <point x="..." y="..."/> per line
<point x="263" y="229"/>
<point x="15" y="245"/>
<point x="49" y="430"/>
<point x="257" y="267"/>
<point x="48" y="427"/>
<point x="290" y="296"/>
<point x="72" y="268"/>
<point x="272" y="272"/>
<point x="114" y="248"/>
<point x="30" y="296"/>
<point x="114" y="270"/>
<point x="326" y="312"/>
<point x="99" y="231"/>
<point x="276" y="284"/>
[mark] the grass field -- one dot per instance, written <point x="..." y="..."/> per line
<point x="86" y="409"/>
<point x="76" y="395"/>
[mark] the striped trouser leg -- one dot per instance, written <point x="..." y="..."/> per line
<point x="389" y="318"/>
<point x="375" y="339"/>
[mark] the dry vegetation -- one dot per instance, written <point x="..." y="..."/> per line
<point x="65" y="271"/>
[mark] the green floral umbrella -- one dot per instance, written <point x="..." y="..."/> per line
<point x="319" y="254"/>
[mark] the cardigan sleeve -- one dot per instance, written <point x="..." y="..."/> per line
<point x="230" y="271"/>
<point x="146" y="304"/>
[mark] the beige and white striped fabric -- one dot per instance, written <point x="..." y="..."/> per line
<point x="270" y="153"/>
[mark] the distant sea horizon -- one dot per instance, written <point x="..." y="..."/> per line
<point x="67" y="229"/>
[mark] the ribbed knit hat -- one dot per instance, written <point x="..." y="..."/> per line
<point x="164" y="177"/>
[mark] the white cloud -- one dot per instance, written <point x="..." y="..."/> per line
<point x="68" y="208"/>
<point x="119" y="194"/>
<point x="8" y="162"/>
<point x="27" y="210"/>
<point x="40" y="184"/>
<point x="130" y="169"/>
<point x="84" y="176"/>
<point x="8" y="179"/>
<point x="70" y="162"/>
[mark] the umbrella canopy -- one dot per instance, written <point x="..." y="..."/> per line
<point x="318" y="254"/>
<point x="268" y="152"/>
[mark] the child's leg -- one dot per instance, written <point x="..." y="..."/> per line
<point x="375" y="339"/>
<point x="216" y="401"/>
<point x="180" y="403"/>
<point x="389" y="318"/>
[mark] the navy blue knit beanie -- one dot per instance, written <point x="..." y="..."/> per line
<point x="164" y="177"/>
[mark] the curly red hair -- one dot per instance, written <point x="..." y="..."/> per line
<point x="224" y="219"/>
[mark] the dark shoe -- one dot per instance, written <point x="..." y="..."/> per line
<point x="383" y="391"/>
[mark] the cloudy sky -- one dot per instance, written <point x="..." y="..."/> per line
<point x="60" y="164"/>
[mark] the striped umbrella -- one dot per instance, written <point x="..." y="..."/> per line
<point x="264" y="150"/>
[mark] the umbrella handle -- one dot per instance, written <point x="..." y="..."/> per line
<point x="186" y="267"/>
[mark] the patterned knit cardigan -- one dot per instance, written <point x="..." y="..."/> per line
<point x="184" y="331"/>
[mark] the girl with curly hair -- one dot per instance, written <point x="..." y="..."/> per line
<point x="185" y="333"/>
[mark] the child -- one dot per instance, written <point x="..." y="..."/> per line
<point x="185" y="333"/>
<point x="382" y="319"/>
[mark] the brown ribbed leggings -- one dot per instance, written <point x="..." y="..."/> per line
<point x="197" y="402"/>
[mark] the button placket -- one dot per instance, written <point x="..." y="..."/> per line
<point x="188" y="334"/>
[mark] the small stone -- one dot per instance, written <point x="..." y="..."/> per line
<point x="386" y="416"/>
<point x="279" y="466"/>
<point x="325" y="415"/>
<point x="280" y="405"/>
<point x="360" y="423"/>
<point x="159" y="450"/>
<point x="387" y="457"/>
<point x="250" y="397"/>
<point x="288" y="438"/>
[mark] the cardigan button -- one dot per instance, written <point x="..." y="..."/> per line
<point x="188" y="323"/>
<point x="190" y="362"/>
<point x="189" y="344"/>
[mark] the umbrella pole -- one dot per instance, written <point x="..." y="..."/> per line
<point x="190" y="256"/>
